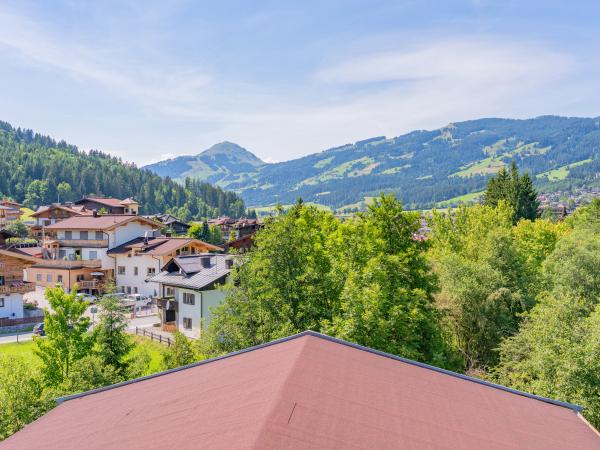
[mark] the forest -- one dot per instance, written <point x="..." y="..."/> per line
<point x="37" y="170"/>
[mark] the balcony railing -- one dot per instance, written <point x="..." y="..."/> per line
<point x="89" y="284"/>
<point x="69" y="264"/>
<point x="90" y="243"/>
<point x="17" y="287"/>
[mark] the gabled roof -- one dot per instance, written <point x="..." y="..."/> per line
<point x="189" y="272"/>
<point x="308" y="391"/>
<point x="76" y="210"/>
<point x="108" y="201"/>
<point x="160" y="246"/>
<point x="100" y="222"/>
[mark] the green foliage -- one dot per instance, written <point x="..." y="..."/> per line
<point x="89" y="372"/>
<point x="113" y="345"/>
<point x="21" y="388"/>
<point x="37" y="170"/>
<point x="18" y="227"/>
<point x="366" y="281"/>
<point x="514" y="189"/>
<point x="67" y="340"/>
<point x="180" y="353"/>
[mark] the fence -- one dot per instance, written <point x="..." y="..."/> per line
<point x="23" y="321"/>
<point x="154" y="336"/>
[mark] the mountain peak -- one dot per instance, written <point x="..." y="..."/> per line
<point x="233" y="152"/>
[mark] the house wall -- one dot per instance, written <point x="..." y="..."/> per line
<point x="130" y="280"/>
<point x="13" y="306"/>
<point x="199" y="312"/>
<point x="128" y="232"/>
<point x="39" y="276"/>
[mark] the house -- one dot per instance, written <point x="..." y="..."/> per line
<point x="75" y="250"/>
<point x="143" y="257"/>
<point x="308" y="391"/>
<point x="5" y="235"/>
<point x="51" y="214"/>
<point x="8" y="214"/>
<point x="109" y="204"/>
<point x="12" y="284"/>
<point x="188" y="288"/>
<point x="238" y="228"/>
<point x="172" y="224"/>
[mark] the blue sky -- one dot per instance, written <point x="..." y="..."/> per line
<point x="147" y="80"/>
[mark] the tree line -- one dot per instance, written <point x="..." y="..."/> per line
<point x="37" y="170"/>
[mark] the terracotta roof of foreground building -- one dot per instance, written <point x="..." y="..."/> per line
<point x="308" y="391"/>
<point x="159" y="245"/>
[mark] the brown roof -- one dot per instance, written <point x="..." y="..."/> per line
<point x="108" y="201"/>
<point x="308" y="391"/>
<point x="17" y="254"/>
<point x="75" y="209"/>
<point x="160" y="246"/>
<point x="100" y="222"/>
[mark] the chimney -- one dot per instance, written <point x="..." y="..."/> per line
<point x="205" y="261"/>
<point x="146" y="238"/>
<point x="95" y="213"/>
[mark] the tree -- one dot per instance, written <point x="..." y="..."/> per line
<point x="215" y="235"/>
<point x="19" y="228"/>
<point x="387" y="297"/>
<point x="180" y="353"/>
<point x="67" y="340"/>
<point x="64" y="192"/>
<point x="517" y="191"/>
<point x="21" y="388"/>
<point x="112" y="342"/>
<point x="89" y="372"/>
<point x="36" y="193"/>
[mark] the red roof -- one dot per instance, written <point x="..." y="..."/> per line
<point x="308" y="391"/>
<point x="108" y="201"/>
<point x="100" y="222"/>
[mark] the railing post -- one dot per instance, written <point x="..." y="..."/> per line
<point x="160" y="338"/>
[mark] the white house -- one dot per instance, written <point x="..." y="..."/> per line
<point x="78" y="248"/>
<point x="189" y="288"/>
<point x="12" y="285"/>
<point x="143" y="257"/>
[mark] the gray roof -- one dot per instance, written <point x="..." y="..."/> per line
<point x="188" y="271"/>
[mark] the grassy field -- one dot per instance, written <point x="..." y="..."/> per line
<point x="266" y="210"/>
<point x="562" y="172"/>
<point x="467" y="198"/>
<point x="25" y="351"/>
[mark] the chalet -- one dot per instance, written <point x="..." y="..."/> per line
<point x="8" y="214"/>
<point x="172" y="224"/>
<point x="143" y="257"/>
<point x="12" y="284"/>
<point x="308" y="391"/>
<point x="75" y="250"/>
<point x="188" y="288"/>
<point x="109" y="204"/>
<point x="55" y="213"/>
<point x="236" y="228"/>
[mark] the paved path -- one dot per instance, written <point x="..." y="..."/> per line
<point x="6" y="339"/>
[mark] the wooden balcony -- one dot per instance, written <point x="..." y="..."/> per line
<point x="167" y="303"/>
<point x="17" y="287"/>
<point x="89" y="284"/>
<point x="69" y="264"/>
<point x="88" y="243"/>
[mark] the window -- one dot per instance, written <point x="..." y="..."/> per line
<point x="68" y="235"/>
<point x="38" y="277"/>
<point x="83" y="235"/>
<point x="121" y="270"/>
<point x="59" y="278"/>
<point x="129" y="289"/>
<point x="151" y="271"/>
<point x="135" y="290"/>
<point x="1" y="303"/>
<point x="80" y="278"/>
<point x="62" y="254"/>
<point x="189" y="299"/>
<point x="1" y="280"/>
<point x="135" y="271"/>
<point x="170" y="292"/>
<point x="49" y="278"/>
<point x="99" y="235"/>
<point x="93" y="254"/>
<point x="187" y="323"/>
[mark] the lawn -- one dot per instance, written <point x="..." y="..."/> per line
<point x="25" y="350"/>
<point x="562" y="172"/>
<point x="467" y="198"/>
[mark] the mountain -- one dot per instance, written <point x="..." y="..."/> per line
<point x="219" y="164"/>
<point x="423" y="167"/>
<point x="37" y="170"/>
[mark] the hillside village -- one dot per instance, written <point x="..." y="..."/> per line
<point x="98" y="245"/>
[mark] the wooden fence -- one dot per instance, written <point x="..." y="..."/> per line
<point x="154" y="336"/>
<point x="23" y="321"/>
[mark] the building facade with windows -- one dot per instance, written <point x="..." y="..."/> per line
<point x="189" y="288"/>
<point x="143" y="257"/>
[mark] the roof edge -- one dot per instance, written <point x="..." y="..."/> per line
<point x="576" y="408"/>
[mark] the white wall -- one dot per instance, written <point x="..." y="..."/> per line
<point x="142" y="262"/>
<point x="128" y="232"/>
<point x="199" y="312"/>
<point x="13" y="304"/>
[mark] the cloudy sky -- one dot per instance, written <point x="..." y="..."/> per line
<point x="147" y="80"/>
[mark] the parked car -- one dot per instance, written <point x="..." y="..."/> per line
<point x="139" y="299"/>
<point x="88" y="298"/>
<point x="38" y="329"/>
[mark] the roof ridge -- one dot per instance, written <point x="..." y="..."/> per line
<point x="574" y="407"/>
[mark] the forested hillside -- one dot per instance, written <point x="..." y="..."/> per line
<point x="37" y="170"/>
<point x="423" y="167"/>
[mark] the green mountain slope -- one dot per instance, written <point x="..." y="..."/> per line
<point x="422" y="167"/>
<point x="37" y="170"/>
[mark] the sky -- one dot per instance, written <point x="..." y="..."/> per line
<point x="149" y="80"/>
